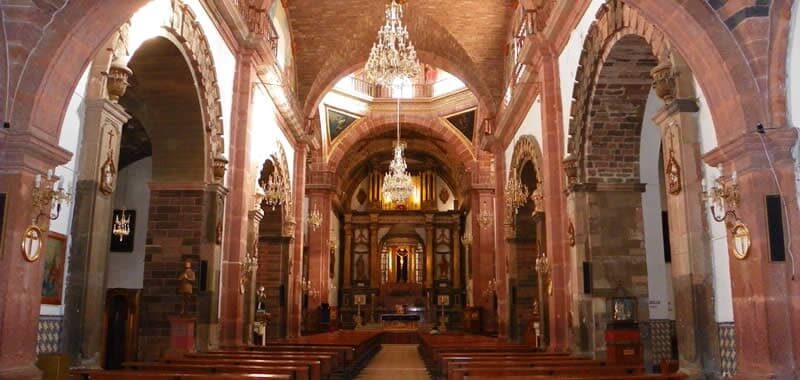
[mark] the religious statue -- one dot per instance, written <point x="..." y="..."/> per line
<point x="444" y="267"/>
<point x="332" y="263"/>
<point x="108" y="172"/>
<point x="361" y="269"/>
<point x="402" y="265"/>
<point x="261" y="299"/>
<point x="187" y="280"/>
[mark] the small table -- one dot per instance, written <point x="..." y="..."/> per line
<point x="400" y="321"/>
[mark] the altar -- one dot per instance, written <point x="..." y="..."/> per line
<point x="400" y="321"/>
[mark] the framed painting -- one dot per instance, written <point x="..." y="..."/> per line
<point x="338" y="121"/>
<point x="126" y="219"/>
<point x="55" y="251"/>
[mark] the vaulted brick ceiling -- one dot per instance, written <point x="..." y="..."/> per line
<point x="464" y="37"/>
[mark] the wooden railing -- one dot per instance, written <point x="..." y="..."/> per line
<point x="370" y="89"/>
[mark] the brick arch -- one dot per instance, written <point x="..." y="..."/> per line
<point x="74" y="38"/>
<point x="438" y="48"/>
<point x="527" y="149"/>
<point x="457" y="146"/>
<point x="612" y="85"/>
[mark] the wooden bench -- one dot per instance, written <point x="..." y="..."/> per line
<point x="315" y="371"/>
<point x="296" y="372"/>
<point x="146" y="375"/>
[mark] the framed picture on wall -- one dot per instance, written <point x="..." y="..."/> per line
<point x="55" y="251"/>
<point x="2" y="220"/>
<point x="123" y="220"/>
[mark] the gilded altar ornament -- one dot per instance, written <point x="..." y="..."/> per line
<point x="672" y="171"/>
<point x="187" y="280"/>
<point x="741" y="240"/>
<point x="32" y="243"/>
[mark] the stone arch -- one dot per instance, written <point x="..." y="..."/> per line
<point x="454" y="142"/>
<point x="527" y="149"/>
<point x="618" y="34"/>
<point x="276" y="168"/>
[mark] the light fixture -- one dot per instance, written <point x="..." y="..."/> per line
<point x="44" y="194"/>
<point x="723" y="196"/>
<point x="308" y="288"/>
<point x="275" y="193"/>
<point x="516" y="192"/>
<point x="122" y="225"/>
<point x="491" y="288"/>
<point x="466" y="239"/>
<point x="393" y="56"/>
<point x="485" y="218"/>
<point x="315" y="217"/>
<point x="248" y="266"/>
<point x="542" y="264"/>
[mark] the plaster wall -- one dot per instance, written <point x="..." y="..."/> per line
<point x="266" y="133"/>
<point x="659" y="279"/>
<point x="531" y="125"/>
<point x="569" y="59"/>
<point x="717" y="235"/>
<point x="69" y="139"/>
<point x="126" y="269"/>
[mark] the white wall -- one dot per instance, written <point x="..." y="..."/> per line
<point x="718" y="239"/>
<point x="265" y="132"/>
<point x="659" y="279"/>
<point x="126" y="269"/>
<point x="531" y="125"/>
<point x="569" y="59"/>
<point x="71" y="129"/>
<point x="281" y="22"/>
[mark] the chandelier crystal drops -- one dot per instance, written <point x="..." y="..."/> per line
<point x="393" y="56"/>
<point x="397" y="183"/>
<point x="275" y="193"/>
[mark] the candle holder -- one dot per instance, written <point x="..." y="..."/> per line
<point x="46" y="196"/>
<point x="724" y="198"/>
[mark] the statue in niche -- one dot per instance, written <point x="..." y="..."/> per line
<point x="332" y="263"/>
<point x="187" y="280"/>
<point x="402" y="265"/>
<point x="361" y="269"/>
<point x="444" y="267"/>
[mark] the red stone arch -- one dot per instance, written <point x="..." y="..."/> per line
<point x="527" y="149"/>
<point x="75" y="37"/>
<point x="457" y="146"/>
<point x="612" y="85"/>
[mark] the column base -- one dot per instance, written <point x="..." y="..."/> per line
<point x="28" y="372"/>
<point x="181" y="340"/>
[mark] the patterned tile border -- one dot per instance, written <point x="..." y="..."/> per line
<point x="49" y="334"/>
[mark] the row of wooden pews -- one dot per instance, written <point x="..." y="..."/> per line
<point x="457" y="357"/>
<point x="337" y="355"/>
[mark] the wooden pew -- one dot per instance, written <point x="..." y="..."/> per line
<point x="296" y="372"/>
<point x="327" y="361"/>
<point x="557" y="372"/>
<point x="314" y="365"/>
<point x="145" y="375"/>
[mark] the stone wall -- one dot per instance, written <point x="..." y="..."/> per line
<point x="175" y="234"/>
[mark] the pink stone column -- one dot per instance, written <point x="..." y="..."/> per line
<point x="766" y="300"/>
<point x="318" y="246"/>
<point x="501" y="247"/>
<point x="296" y="261"/>
<point x="22" y="156"/>
<point x="555" y="205"/>
<point x="482" y="255"/>
<point x="232" y="302"/>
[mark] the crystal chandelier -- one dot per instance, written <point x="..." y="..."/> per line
<point x="122" y="225"/>
<point x="393" y="56"/>
<point x="397" y="183"/>
<point x="516" y="193"/>
<point x="315" y="217"/>
<point x="275" y="193"/>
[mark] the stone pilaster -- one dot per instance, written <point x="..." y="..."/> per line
<point x="91" y="232"/>
<point x="692" y="277"/>
<point x="428" y="251"/>
<point x="348" y="251"/>
<point x="483" y="265"/>
<point x="294" y="291"/>
<point x="318" y="247"/>
<point x="502" y="247"/>
<point x="254" y="222"/>
<point x="765" y="305"/>
<point x="22" y="156"/>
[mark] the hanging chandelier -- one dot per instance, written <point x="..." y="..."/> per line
<point x="275" y="193"/>
<point x="397" y="183"/>
<point x="122" y="225"/>
<point x="516" y="192"/>
<point x="393" y="56"/>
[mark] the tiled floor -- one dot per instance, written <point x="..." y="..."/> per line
<point x="395" y="361"/>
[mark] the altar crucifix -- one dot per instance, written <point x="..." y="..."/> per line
<point x="402" y="265"/>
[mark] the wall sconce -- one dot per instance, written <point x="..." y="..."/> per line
<point x="491" y="288"/>
<point x="485" y="218"/>
<point x="45" y="194"/>
<point x="543" y="264"/>
<point x="537" y="196"/>
<point x="723" y="196"/>
<point x="122" y="225"/>
<point x="308" y="289"/>
<point x="248" y="266"/>
<point x="315" y="218"/>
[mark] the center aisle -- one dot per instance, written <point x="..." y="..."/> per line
<point x="395" y="361"/>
